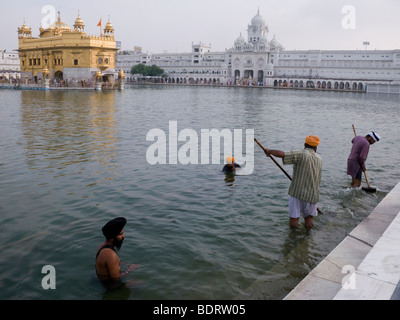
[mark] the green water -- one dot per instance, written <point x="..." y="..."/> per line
<point x="72" y="160"/>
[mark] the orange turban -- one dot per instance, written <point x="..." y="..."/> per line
<point x="313" y="141"/>
<point x="230" y="160"/>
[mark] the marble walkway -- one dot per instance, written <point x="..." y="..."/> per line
<point x="365" y="265"/>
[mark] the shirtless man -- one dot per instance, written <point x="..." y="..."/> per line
<point x="107" y="260"/>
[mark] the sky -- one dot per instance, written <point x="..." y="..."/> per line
<point x="173" y="25"/>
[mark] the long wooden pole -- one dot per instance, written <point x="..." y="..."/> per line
<point x="272" y="158"/>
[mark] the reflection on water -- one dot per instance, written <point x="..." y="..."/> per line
<point x="70" y="161"/>
<point x="229" y="178"/>
<point x="64" y="130"/>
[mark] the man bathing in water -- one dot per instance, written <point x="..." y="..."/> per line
<point x="107" y="261"/>
<point x="230" y="165"/>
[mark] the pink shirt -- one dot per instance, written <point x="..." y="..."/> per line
<point x="359" y="151"/>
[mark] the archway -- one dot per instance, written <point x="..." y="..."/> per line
<point x="248" y="74"/>
<point x="260" y="77"/>
<point x="59" y="75"/>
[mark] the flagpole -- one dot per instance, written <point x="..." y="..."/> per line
<point x="99" y="25"/>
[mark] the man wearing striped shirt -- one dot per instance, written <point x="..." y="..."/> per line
<point x="304" y="189"/>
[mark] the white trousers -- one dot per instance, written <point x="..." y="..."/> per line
<point x="297" y="206"/>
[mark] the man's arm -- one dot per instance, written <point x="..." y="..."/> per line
<point x="363" y="157"/>
<point x="275" y="153"/>
<point x="113" y="265"/>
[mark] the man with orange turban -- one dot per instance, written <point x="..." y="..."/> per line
<point x="304" y="189"/>
<point x="230" y="165"/>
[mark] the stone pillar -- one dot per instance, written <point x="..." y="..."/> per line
<point x="99" y="80"/>
<point x="121" y="80"/>
<point x="46" y="80"/>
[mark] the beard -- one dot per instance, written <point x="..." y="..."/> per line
<point x="118" y="244"/>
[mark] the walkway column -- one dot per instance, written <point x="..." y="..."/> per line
<point x="121" y="80"/>
<point x="99" y="80"/>
<point x="46" y="79"/>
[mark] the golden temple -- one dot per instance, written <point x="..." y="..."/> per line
<point x="65" y="54"/>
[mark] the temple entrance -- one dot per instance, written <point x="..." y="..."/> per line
<point x="248" y="74"/>
<point x="260" y="77"/>
<point x="58" y="75"/>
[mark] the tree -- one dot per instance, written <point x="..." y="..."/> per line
<point x="155" y="71"/>
<point x="147" y="71"/>
<point x="138" y="69"/>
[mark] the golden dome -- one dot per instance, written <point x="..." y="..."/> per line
<point x="24" y="30"/>
<point x="79" y="23"/>
<point x="24" y="27"/>
<point x="59" y="25"/>
<point x="109" y="26"/>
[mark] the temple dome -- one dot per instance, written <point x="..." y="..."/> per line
<point x="275" y="43"/>
<point x="109" y="26"/>
<point x="79" y="23"/>
<point x="240" y="40"/>
<point x="258" y="20"/>
<point x="24" y="30"/>
<point x="24" y="27"/>
<point x="59" y="25"/>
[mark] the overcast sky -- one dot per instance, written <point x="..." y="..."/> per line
<point x="172" y="25"/>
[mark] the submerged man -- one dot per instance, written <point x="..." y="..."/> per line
<point x="107" y="260"/>
<point x="230" y="165"/>
<point x="304" y="189"/>
<point x="358" y="156"/>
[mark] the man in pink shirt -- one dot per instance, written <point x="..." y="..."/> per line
<point x="358" y="156"/>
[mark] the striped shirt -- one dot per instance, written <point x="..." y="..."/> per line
<point x="307" y="172"/>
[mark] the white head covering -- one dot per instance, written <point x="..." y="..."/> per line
<point x="374" y="136"/>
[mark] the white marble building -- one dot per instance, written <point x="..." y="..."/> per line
<point x="200" y="66"/>
<point x="9" y="65"/>
<point x="263" y="62"/>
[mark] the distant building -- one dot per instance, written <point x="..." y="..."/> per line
<point x="9" y="66"/>
<point x="198" y="66"/>
<point x="67" y="54"/>
<point x="259" y="61"/>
